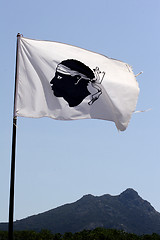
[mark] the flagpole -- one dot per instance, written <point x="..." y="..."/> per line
<point x="13" y="155"/>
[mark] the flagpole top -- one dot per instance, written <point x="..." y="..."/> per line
<point x="19" y="35"/>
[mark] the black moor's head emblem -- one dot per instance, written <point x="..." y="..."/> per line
<point x="72" y="80"/>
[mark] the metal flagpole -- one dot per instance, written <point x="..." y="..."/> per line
<point x="12" y="177"/>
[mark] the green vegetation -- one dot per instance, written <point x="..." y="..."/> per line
<point x="96" y="234"/>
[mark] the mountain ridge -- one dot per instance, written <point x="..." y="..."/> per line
<point x="126" y="211"/>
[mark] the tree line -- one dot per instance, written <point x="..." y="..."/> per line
<point x="96" y="234"/>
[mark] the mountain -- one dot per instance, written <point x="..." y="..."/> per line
<point x="127" y="211"/>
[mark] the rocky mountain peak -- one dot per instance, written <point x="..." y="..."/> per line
<point x="129" y="194"/>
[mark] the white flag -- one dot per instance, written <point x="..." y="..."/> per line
<point x="65" y="82"/>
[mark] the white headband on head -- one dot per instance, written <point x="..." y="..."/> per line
<point x="68" y="71"/>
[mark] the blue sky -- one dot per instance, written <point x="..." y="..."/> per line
<point x="58" y="162"/>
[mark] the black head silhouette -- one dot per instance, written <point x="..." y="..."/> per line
<point x="71" y="80"/>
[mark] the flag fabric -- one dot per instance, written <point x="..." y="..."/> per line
<point x="65" y="82"/>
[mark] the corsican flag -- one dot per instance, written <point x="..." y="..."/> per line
<point x="66" y="82"/>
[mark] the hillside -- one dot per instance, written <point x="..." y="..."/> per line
<point x="127" y="211"/>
